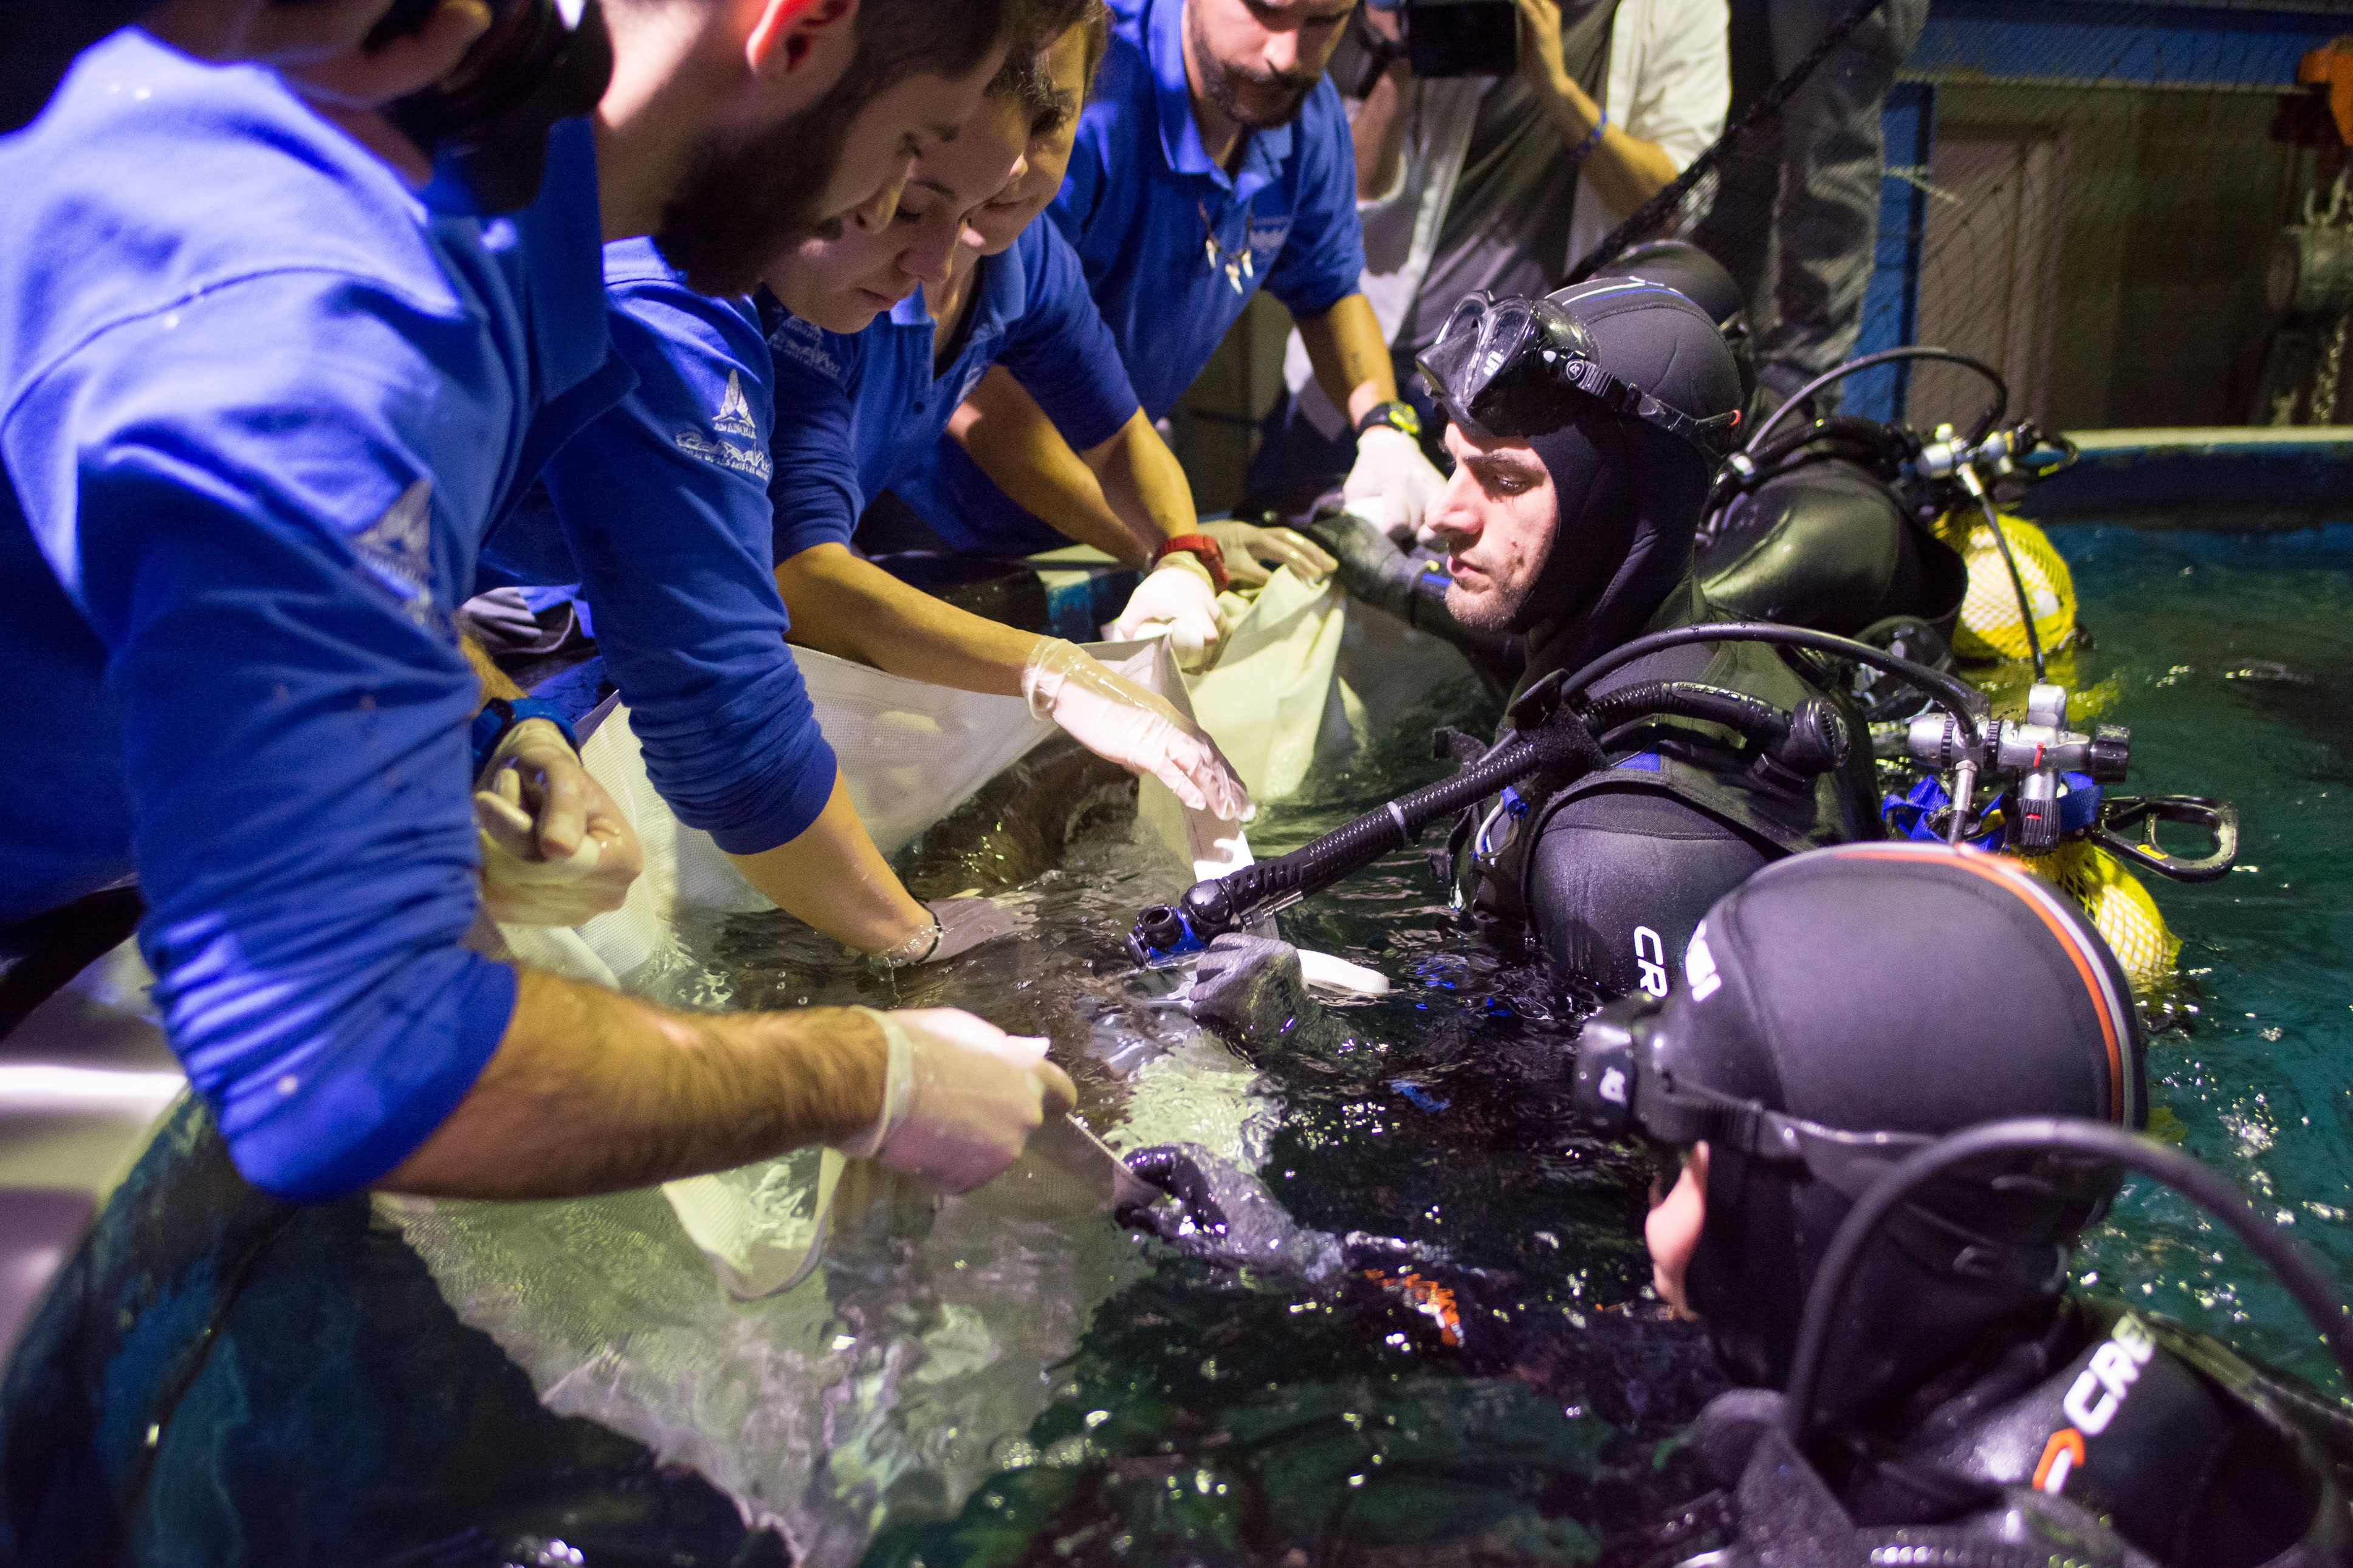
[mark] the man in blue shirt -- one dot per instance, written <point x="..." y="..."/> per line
<point x="258" y="404"/>
<point x="1214" y="159"/>
<point x="735" y="452"/>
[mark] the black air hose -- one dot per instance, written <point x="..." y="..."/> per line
<point x="2083" y="1141"/>
<point x="1254" y="892"/>
<point x="1810" y="741"/>
<point x="1868" y="435"/>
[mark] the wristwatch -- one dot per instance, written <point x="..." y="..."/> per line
<point x="1201" y="546"/>
<point x="499" y="716"/>
<point x="1396" y="414"/>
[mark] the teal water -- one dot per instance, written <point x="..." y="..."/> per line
<point x="1234" y="1423"/>
<point x="2231" y="659"/>
<point x="1209" y="1419"/>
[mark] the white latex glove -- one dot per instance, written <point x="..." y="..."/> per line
<point x="556" y="851"/>
<point x="1175" y="597"/>
<point x="958" y="925"/>
<point x="1138" y="730"/>
<point x="961" y="1099"/>
<point x="1247" y="546"/>
<point x="1390" y="465"/>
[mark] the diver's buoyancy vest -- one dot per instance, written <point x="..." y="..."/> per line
<point x="1828" y="545"/>
<point x="2182" y="1448"/>
<point x="1698" y="763"/>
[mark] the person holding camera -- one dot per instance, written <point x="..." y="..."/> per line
<point x="1796" y="214"/>
<point x="1499" y="175"/>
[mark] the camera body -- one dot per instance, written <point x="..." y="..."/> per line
<point x="1459" y="38"/>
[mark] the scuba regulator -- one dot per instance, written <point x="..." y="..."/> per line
<point x="2061" y="775"/>
<point x="486" y="124"/>
<point x="1800" y="744"/>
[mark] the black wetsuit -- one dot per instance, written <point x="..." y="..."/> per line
<point x="1612" y="872"/>
<point x="2185" y="1452"/>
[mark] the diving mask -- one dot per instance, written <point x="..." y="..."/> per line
<point x="1499" y="366"/>
<point x="1626" y="1084"/>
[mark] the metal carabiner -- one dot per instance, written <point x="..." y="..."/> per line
<point x="2220" y="819"/>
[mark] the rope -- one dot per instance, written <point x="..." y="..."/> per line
<point x="1654" y="213"/>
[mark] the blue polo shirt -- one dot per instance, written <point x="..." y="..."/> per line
<point x="659" y="512"/>
<point x="1141" y="202"/>
<point x="257" y="407"/>
<point x="859" y="413"/>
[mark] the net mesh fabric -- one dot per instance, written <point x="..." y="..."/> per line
<point x="2063" y="187"/>
<point x="1991" y="625"/>
<point x="2118" y="907"/>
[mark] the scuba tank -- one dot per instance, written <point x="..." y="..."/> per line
<point x="1847" y="525"/>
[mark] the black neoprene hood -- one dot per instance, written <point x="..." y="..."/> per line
<point x="1629" y="494"/>
<point x="1899" y="988"/>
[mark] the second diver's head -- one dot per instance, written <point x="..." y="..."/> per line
<point x="1838" y="1010"/>
<point x="1585" y="428"/>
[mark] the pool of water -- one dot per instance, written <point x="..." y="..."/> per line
<point x="967" y="1388"/>
<point x="1226" y="1423"/>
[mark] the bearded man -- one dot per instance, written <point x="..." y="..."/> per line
<point x="1585" y="427"/>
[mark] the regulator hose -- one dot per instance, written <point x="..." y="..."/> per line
<point x="1811" y="740"/>
<point x="1987" y="417"/>
<point x="1211" y="908"/>
<point x="1963" y="702"/>
<point x="2093" y="1141"/>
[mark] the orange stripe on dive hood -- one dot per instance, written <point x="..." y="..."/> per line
<point x="2041" y="899"/>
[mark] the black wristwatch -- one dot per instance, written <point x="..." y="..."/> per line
<point x="1396" y="414"/>
<point x="499" y="716"/>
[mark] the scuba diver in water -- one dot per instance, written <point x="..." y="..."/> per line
<point x="1825" y="527"/>
<point x="1970" y="1409"/>
<point x="1966" y="1397"/>
<point x="1585" y="427"/>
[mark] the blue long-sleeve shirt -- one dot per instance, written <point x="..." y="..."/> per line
<point x="256" y="406"/>
<point x="659" y="513"/>
<point x="860" y="413"/>
<point x="739" y="449"/>
<point x="1142" y="203"/>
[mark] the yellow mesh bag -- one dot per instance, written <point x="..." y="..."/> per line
<point x="1990" y="625"/>
<point x="2119" y="907"/>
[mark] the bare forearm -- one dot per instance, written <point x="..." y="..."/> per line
<point x="1623" y="170"/>
<point x="833" y="878"/>
<point x="1142" y="481"/>
<point x="590" y="1091"/>
<point x="1350" y="356"/>
<point x="1378" y="135"/>
<point x="853" y="609"/>
<point x="1006" y="433"/>
<point x="494" y="679"/>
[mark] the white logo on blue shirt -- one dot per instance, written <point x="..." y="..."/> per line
<point x="735" y="417"/>
<point x="1267" y="236"/>
<point x="734" y="424"/>
<point x="805" y="343"/>
<point x="397" y="550"/>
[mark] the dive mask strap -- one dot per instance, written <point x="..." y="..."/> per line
<point x="1492" y="365"/>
